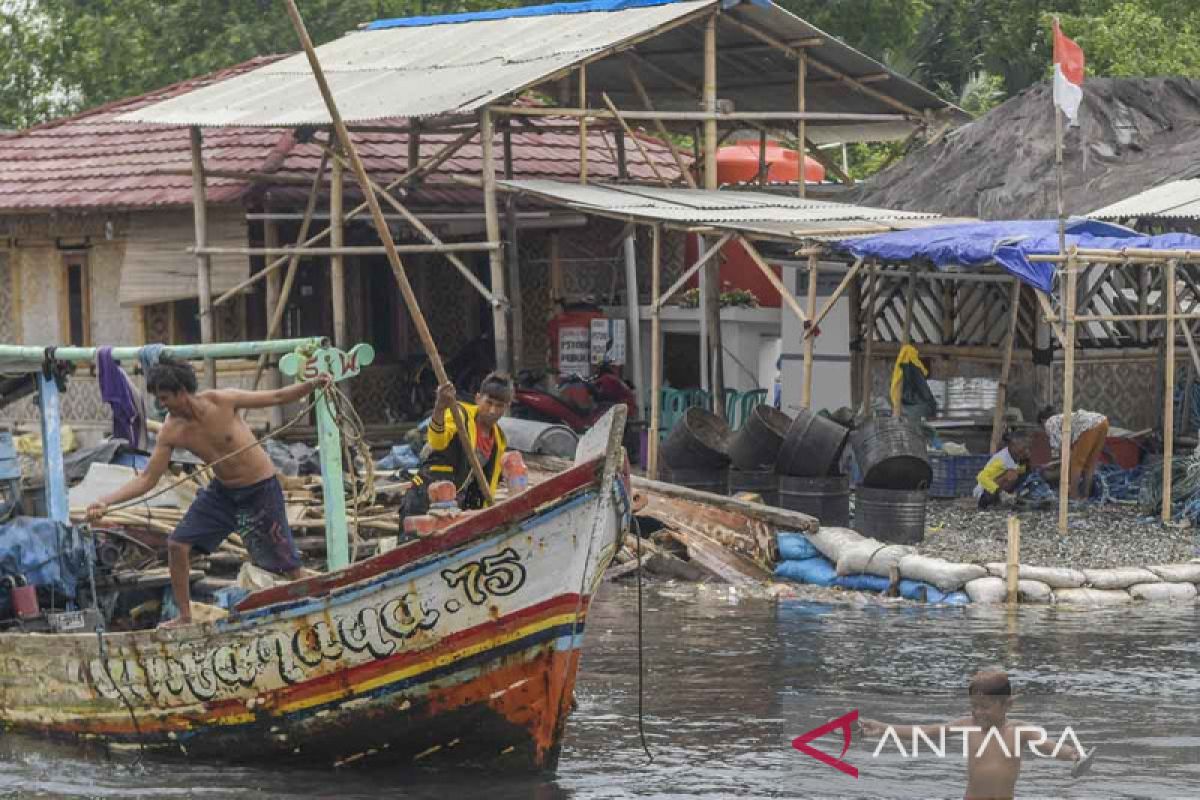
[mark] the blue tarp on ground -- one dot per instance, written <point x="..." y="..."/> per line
<point x="1007" y="243"/>
<point x="546" y="10"/>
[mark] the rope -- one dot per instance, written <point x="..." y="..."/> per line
<point x="637" y="532"/>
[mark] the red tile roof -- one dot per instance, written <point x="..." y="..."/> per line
<point x="90" y="162"/>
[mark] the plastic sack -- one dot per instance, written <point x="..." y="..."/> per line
<point x="862" y="583"/>
<point x="946" y="575"/>
<point x="872" y="557"/>
<point x="986" y="590"/>
<point x="1177" y="573"/>
<point x="816" y="571"/>
<point x="830" y="542"/>
<point x="956" y="599"/>
<point x="1092" y="597"/>
<point x="1034" y="592"/>
<point x="921" y="592"/>
<point x="1056" y="577"/>
<point x="1164" y="592"/>
<point x="795" y="546"/>
<point x="1119" y="578"/>
<point x="401" y="456"/>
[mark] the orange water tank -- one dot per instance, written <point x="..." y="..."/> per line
<point x="738" y="163"/>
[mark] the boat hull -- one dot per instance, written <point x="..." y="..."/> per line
<point x="462" y="651"/>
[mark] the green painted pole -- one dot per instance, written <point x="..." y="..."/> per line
<point x="33" y="357"/>
<point x="340" y="366"/>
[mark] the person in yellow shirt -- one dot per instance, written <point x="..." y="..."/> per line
<point x="1003" y="472"/>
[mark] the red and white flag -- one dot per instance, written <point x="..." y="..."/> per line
<point x="1068" y="74"/>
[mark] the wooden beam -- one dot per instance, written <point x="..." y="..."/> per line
<point x="203" y="262"/>
<point x="829" y="164"/>
<point x="348" y="250"/>
<point x="701" y="116"/>
<point x="908" y="319"/>
<point x="656" y="347"/>
<point x="704" y="258"/>
<point x="1064" y="480"/>
<point x="495" y="257"/>
<point x="833" y="298"/>
<point x="583" y="126"/>
<point x="638" y="142"/>
<point x="1049" y="317"/>
<point x="809" y="341"/>
<point x="869" y="337"/>
<point x="337" y="263"/>
<point x="710" y="300"/>
<point x="1169" y="394"/>
<point x="1014" y="300"/>
<point x="770" y="275"/>
<point x="644" y="96"/>
<point x="512" y="261"/>
<point x="801" y="128"/>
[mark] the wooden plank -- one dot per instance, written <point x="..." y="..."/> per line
<point x="716" y="559"/>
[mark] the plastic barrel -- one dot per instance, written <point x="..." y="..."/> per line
<point x="708" y="479"/>
<point x="701" y="439"/>
<point x="890" y="516"/>
<point x="762" y="482"/>
<point x="812" y="446"/>
<point x="891" y="454"/>
<point x="827" y="499"/>
<point x="757" y="444"/>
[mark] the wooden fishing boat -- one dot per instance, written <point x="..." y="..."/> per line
<point x="460" y="648"/>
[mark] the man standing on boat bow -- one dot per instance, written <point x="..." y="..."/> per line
<point x="243" y="497"/>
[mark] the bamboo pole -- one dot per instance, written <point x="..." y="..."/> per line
<point x="583" y="126"/>
<point x="1049" y="317"/>
<point x="1169" y="394"/>
<point x="1064" y="479"/>
<point x="512" y="261"/>
<point x="385" y="234"/>
<point x="869" y="336"/>
<point x="1132" y="317"/>
<point x="1012" y="571"/>
<point x="699" y="116"/>
<point x="769" y="274"/>
<point x="655" y="350"/>
<point x="273" y="293"/>
<point x="437" y="245"/>
<point x="833" y="298"/>
<point x="704" y="258"/>
<point x="644" y="96"/>
<point x="1014" y="304"/>
<point x="1191" y="345"/>
<point x="203" y="262"/>
<point x="906" y="336"/>
<point x="801" y="128"/>
<point x="636" y="141"/>
<point x="763" y="169"/>
<point x="495" y="257"/>
<point x="349" y="250"/>
<point x="829" y="164"/>
<point x="337" y="264"/>
<point x="414" y="144"/>
<point x="711" y="302"/>
<point x="432" y="163"/>
<point x="810" y="339"/>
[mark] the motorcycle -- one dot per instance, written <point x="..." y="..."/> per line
<point x="577" y="403"/>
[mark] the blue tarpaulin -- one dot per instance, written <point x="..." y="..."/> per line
<point x="546" y="10"/>
<point x="1009" y="244"/>
<point x="47" y="554"/>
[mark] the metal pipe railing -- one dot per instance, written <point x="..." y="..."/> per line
<point x="34" y="356"/>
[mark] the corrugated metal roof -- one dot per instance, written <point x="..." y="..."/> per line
<point x="89" y="162"/>
<point x="449" y="69"/>
<point x="769" y="214"/>
<point x="414" y="72"/>
<point x="1174" y="200"/>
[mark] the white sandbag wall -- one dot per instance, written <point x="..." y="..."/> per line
<point x="842" y="558"/>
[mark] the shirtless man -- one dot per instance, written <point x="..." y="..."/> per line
<point x="991" y="772"/>
<point x="244" y="497"/>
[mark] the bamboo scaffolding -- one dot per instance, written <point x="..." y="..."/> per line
<point x="810" y="338"/>
<point x="512" y="261"/>
<point x="869" y="335"/>
<point x="349" y="250"/>
<point x="636" y="141"/>
<point x="203" y="262"/>
<point x="410" y="299"/>
<point x="583" y="126"/>
<point x="710" y="300"/>
<point x="431" y="164"/>
<point x="769" y="274"/>
<point x="491" y="214"/>
<point x="1169" y="394"/>
<point x="644" y="96"/>
<point x="699" y="116"/>
<point x="655" y="350"/>
<point x="802" y="129"/>
<point x="833" y="298"/>
<point x="1064" y="478"/>
<point x="337" y="263"/>
<point x="704" y="258"/>
<point x="907" y="331"/>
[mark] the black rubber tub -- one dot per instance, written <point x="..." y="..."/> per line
<point x="708" y="479"/>
<point x="698" y="441"/>
<point x="756" y="445"/>
<point x="827" y="499"/>
<point x="762" y="482"/>
<point x="890" y="454"/>
<point x="889" y="515"/>
<point x="812" y="447"/>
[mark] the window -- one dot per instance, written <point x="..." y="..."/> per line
<point x="77" y="301"/>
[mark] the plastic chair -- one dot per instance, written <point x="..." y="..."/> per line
<point x="697" y="398"/>
<point x="674" y="403"/>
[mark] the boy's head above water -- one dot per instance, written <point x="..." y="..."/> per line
<point x="991" y="695"/>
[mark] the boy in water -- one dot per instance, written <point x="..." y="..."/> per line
<point x="994" y="742"/>
<point x="244" y="497"/>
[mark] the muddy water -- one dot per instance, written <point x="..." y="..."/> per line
<point x="731" y="680"/>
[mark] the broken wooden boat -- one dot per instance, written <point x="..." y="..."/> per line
<point x="460" y="648"/>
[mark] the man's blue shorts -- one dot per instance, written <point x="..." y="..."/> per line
<point x="257" y="513"/>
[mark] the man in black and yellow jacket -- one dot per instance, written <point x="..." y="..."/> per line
<point x="445" y="459"/>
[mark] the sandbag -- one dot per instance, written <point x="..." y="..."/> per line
<point x="1161" y="592"/>
<point x="946" y="575"/>
<point x="794" y="546"/>
<point x="1177" y="573"/>
<point x="830" y="541"/>
<point x="1034" y="592"/>
<point x="1118" y="577"/>
<point x="956" y="599"/>
<point x="989" y="589"/>
<point x="817" y="571"/>
<point x="1092" y="597"/>
<point x="872" y="557"/>
<point x="921" y="592"/>
<point x="1056" y="577"/>
<point x="862" y="583"/>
